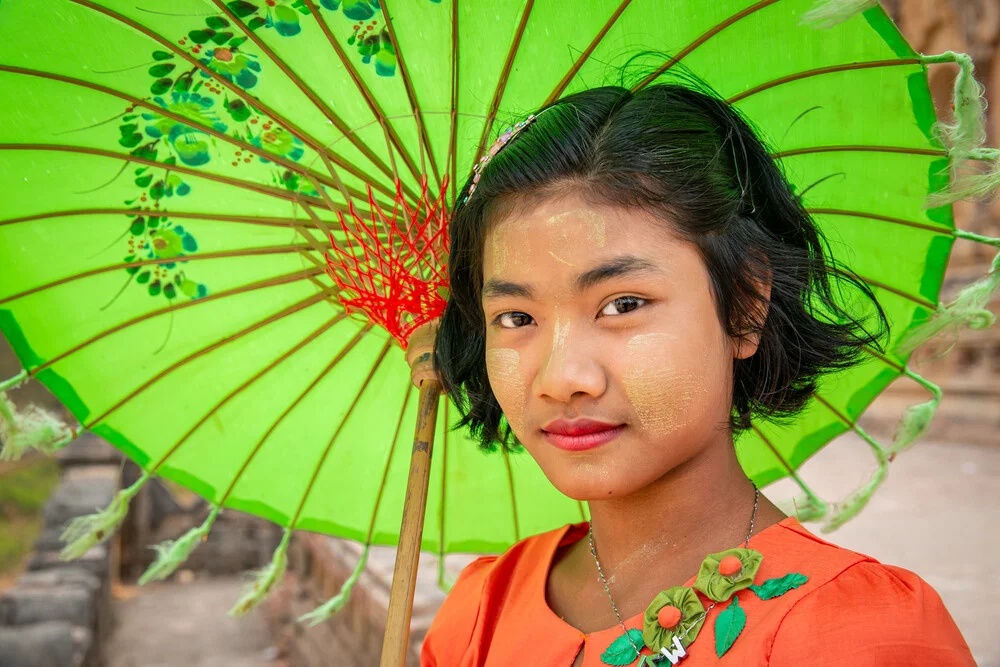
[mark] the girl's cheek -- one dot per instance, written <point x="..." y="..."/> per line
<point x="503" y="365"/>
<point x="662" y="387"/>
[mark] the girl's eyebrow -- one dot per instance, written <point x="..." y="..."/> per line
<point x="613" y="268"/>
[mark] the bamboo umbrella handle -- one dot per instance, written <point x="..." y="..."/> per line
<point x="404" y="573"/>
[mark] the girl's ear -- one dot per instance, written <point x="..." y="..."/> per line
<point x="745" y="345"/>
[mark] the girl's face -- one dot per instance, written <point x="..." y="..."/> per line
<point x="603" y="346"/>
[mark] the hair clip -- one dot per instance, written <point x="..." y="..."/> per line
<point x="501" y="141"/>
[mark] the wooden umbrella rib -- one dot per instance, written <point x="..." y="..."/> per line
<point x="306" y="89"/>
<point x="920" y="301"/>
<point x="411" y="94"/>
<point x="564" y="82"/>
<point x="934" y="152"/>
<point x="881" y="218"/>
<point x="268" y="190"/>
<point x="233" y="88"/>
<point x="583" y="515"/>
<point x="290" y="310"/>
<point x="243" y="145"/>
<point x="504" y="75"/>
<point x="264" y="221"/>
<point x="835" y="411"/>
<point x="513" y="498"/>
<point x="312" y="385"/>
<point x="244" y="252"/>
<point x="336" y="433"/>
<point x="711" y="32"/>
<point x="452" y="159"/>
<point x="895" y="62"/>
<point x="370" y="100"/>
<point x="444" y="485"/>
<point x="230" y="396"/>
<point x="190" y="303"/>
<point x="385" y="469"/>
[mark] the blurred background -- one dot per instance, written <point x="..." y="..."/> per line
<point x="938" y="514"/>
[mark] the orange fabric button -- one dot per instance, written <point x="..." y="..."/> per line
<point x="729" y="566"/>
<point x="668" y="617"/>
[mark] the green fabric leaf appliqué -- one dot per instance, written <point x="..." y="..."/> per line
<point x="773" y="588"/>
<point x="719" y="587"/>
<point x="620" y="652"/>
<point x="692" y="611"/>
<point x="728" y="626"/>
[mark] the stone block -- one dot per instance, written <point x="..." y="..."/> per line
<point x="50" y="644"/>
<point x="69" y="575"/>
<point x="97" y="561"/>
<point x="82" y="491"/>
<point x="28" y="605"/>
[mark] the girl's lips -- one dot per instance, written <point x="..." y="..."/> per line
<point x="577" y="437"/>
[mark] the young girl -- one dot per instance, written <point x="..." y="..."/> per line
<point x="633" y="281"/>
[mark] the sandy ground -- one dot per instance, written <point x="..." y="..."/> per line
<point x="185" y="625"/>
<point x="937" y="514"/>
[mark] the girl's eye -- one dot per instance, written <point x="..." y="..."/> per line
<point x="513" y="320"/>
<point x="622" y="305"/>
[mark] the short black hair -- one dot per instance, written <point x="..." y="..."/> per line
<point x="690" y="159"/>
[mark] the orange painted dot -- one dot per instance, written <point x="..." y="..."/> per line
<point x="729" y="566"/>
<point x="668" y="617"/>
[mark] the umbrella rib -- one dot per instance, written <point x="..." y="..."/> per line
<point x="307" y="90"/>
<point x="370" y="100"/>
<point x="835" y="411"/>
<point x="882" y="218"/>
<point x="290" y="310"/>
<point x="502" y="81"/>
<point x="269" y="282"/>
<point x="243" y="145"/>
<point x="781" y="459"/>
<point x="444" y="487"/>
<point x="583" y="515"/>
<point x="920" y="301"/>
<point x="236" y="90"/>
<point x="564" y="82"/>
<point x="246" y="384"/>
<point x="244" y="252"/>
<point x="711" y="32"/>
<point x="217" y="178"/>
<point x="411" y="94"/>
<point x="452" y="159"/>
<point x="513" y="500"/>
<point x="265" y="221"/>
<point x="935" y="152"/>
<point x="312" y="385"/>
<point x="895" y="62"/>
<point x="340" y="427"/>
<point x="385" y="469"/>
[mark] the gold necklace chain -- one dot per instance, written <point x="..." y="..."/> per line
<point x="607" y="589"/>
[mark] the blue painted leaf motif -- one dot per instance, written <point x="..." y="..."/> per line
<point x="728" y="626"/>
<point x="621" y="652"/>
<point x="773" y="588"/>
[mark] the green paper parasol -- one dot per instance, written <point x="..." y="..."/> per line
<point x="174" y="176"/>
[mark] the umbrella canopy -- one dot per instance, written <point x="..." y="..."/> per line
<point x="174" y="178"/>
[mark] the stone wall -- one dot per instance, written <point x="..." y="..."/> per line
<point x="318" y="567"/>
<point x="59" y="614"/>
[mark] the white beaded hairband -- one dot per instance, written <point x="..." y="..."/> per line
<point x="501" y="141"/>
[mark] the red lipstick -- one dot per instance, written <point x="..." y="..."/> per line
<point x="578" y="435"/>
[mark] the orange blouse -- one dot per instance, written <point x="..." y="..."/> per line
<point x="852" y="611"/>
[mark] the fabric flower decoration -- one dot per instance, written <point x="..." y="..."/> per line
<point x="723" y="573"/>
<point x="675" y="612"/>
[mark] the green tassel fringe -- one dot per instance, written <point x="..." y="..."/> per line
<point x="265" y="579"/>
<point x="172" y="553"/>
<point x="444" y="580"/>
<point x="31" y="428"/>
<point x="967" y="310"/>
<point x="337" y="602"/>
<point x="917" y="418"/>
<point x="84" y="532"/>
<point x="849" y="508"/>
<point x="828" y="13"/>
<point x="804" y="507"/>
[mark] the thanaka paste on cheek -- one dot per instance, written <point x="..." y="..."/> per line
<point x="503" y="366"/>
<point x="660" y="394"/>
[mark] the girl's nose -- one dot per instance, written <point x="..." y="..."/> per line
<point x="568" y="367"/>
